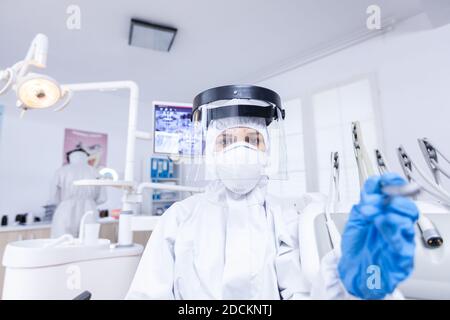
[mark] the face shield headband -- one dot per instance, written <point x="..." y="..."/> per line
<point x="241" y="92"/>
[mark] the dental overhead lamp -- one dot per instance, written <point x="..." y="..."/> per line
<point x="34" y="90"/>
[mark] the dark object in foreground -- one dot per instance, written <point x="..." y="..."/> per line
<point x="85" y="295"/>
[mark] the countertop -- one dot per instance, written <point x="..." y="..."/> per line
<point x="44" y="225"/>
<point x="25" y="227"/>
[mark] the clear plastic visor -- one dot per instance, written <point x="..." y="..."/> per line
<point x="213" y="138"/>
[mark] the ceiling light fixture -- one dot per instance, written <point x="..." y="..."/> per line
<point x="151" y="36"/>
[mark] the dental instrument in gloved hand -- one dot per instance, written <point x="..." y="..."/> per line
<point x="378" y="240"/>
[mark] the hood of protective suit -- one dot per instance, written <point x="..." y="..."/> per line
<point x="78" y="157"/>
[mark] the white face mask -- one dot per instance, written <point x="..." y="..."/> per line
<point x="240" y="167"/>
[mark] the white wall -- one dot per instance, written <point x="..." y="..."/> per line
<point x="31" y="148"/>
<point x="412" y="67"/>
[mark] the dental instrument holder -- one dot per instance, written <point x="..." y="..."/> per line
<point x="411" y="190"/>
<point x="365" y="169"/>
<point x="410" y="170"/>
<point x="430" y="153"/>
<point x="333" y="198"/>
<point x="381" y="163"/>
<point x="430" y="234"/>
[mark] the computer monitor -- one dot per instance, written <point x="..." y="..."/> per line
<point x="172" y="128"/>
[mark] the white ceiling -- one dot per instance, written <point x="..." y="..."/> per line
<point x="218" y="42"/>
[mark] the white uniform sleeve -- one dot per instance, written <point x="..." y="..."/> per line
<point x="291" y="281"/>
<point x="327" y="284"/>
<point x="154" y="275"/>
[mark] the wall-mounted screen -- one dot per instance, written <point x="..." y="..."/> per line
<point x="172" y="128"/>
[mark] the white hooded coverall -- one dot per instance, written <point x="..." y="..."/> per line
<point x="73" y="201"/>
<point x="205" y="248"/>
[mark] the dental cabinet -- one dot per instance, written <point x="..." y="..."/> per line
<point x="160" y="169"/>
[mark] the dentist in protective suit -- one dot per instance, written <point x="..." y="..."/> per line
<point x="73" y="202"/>
<point x="233" y="241"/>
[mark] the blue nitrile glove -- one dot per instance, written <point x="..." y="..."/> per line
<point x="378" y="241"/>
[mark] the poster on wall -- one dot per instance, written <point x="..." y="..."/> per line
<point x="96" y="144"/>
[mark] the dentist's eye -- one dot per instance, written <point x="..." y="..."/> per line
<point x="256" y="139"/>
<point x="224" y="140"/>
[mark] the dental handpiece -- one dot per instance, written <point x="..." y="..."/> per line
<point x="430" y="234"/>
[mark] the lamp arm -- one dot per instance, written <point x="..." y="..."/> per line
<point x="8" y="75"/>
<point x="36" y="55"/>
<point x="68" y="94"/>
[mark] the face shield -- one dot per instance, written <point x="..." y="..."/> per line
<point x="238" y="134"/>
